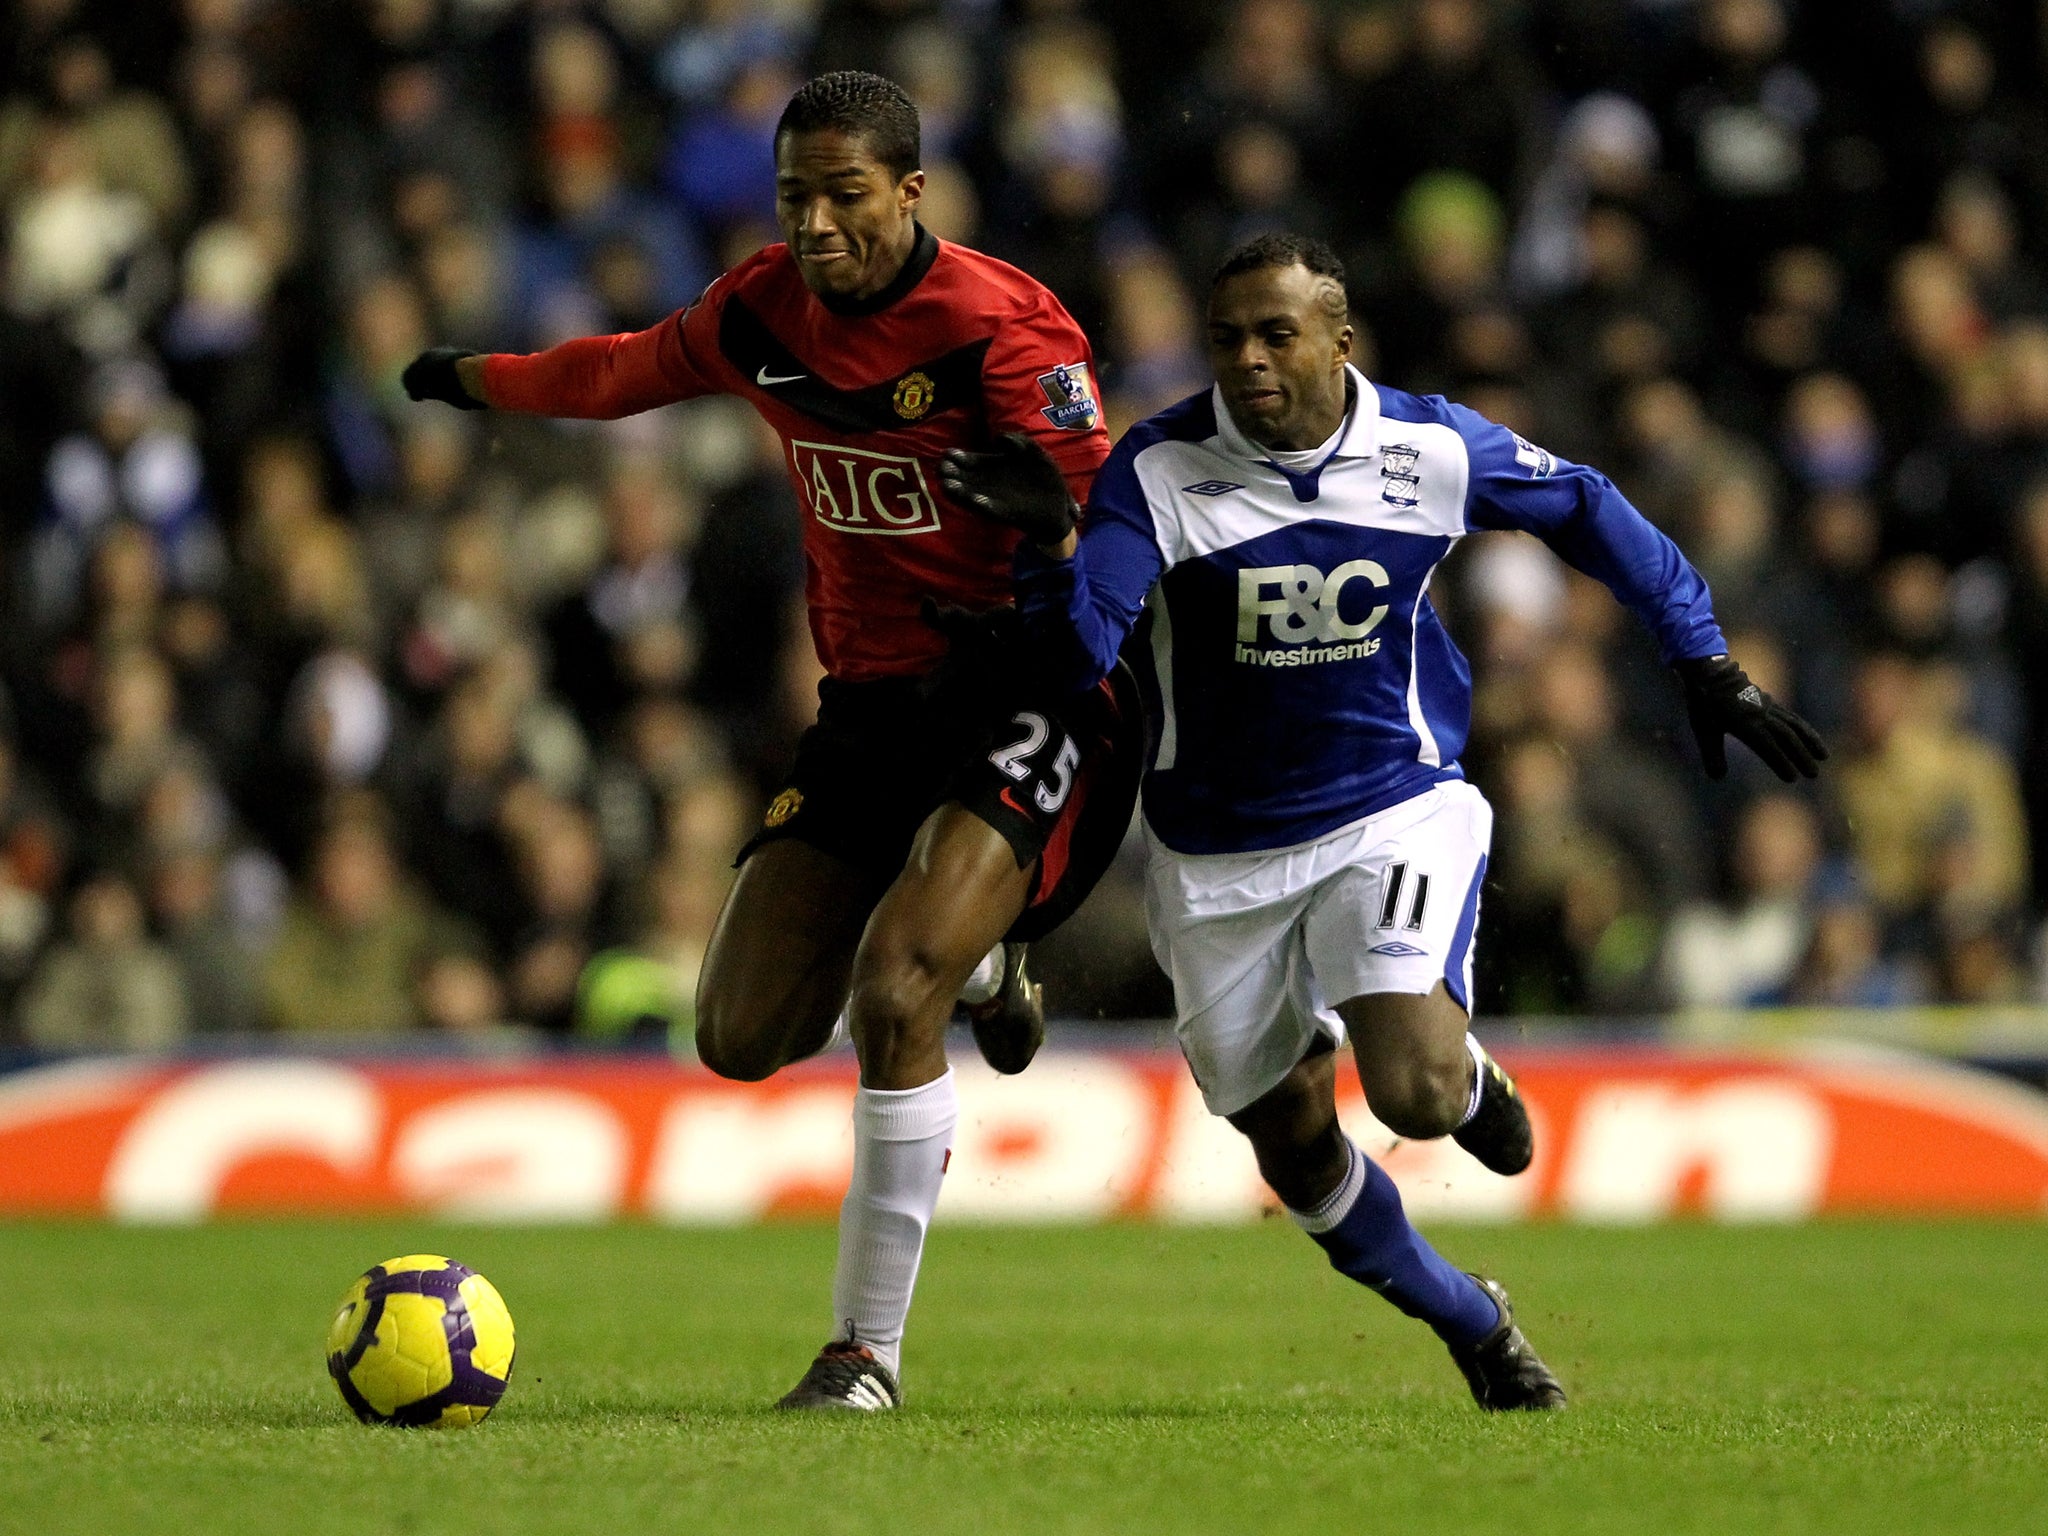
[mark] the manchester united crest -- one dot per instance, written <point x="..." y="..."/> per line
<point x="782" y="807"/>
<point x="914" y="393"/>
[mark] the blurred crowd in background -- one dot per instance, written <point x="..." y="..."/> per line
<point x="285" y="741"/>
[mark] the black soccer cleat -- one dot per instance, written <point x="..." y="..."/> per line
<point x="1010" y="1027"/>
<point x="845" y="1378"/>
<point x="1499" y="1133"/>
<point x="1503" y="1372"/>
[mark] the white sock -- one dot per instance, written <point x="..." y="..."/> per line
<point x="1337" y="1204"/>
<point x="1478" y="1054"/>
<point x="986" y="980"/>
<point x="902" y="1140"/>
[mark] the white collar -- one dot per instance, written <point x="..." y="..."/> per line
<point x="1359" y="437"/>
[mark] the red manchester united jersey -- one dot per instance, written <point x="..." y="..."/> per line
<point x="866" y="395"/>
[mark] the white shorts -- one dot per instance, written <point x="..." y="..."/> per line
<point x="1259" y="945"/>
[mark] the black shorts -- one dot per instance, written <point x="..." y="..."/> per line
<point x="1056" y="775"/>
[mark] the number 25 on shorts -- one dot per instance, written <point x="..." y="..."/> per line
<point x="1015" y="760"/>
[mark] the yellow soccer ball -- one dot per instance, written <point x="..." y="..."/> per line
<point x="422" y="1341"/>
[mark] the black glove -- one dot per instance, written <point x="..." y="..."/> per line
<point x="432" y="376"/>
<point x="1721" y="701"/>
<point x="1016" y="482"/>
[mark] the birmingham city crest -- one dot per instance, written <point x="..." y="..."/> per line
<point x="1397" y="467"/>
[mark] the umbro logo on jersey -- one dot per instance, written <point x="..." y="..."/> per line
<point x="1396" y="949"/>
<point x="764" y="378"/>
<point x="1211" y="487"/>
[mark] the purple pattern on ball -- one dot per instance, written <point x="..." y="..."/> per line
<point x="469" y="1387"/>
<point x="445" y="1282"/>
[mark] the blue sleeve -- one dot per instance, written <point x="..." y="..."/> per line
<point x="1078" y="611"/>
<point x="1593" y="528"/>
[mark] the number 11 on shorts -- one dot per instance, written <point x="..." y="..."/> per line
<point x="1390" y="905"/>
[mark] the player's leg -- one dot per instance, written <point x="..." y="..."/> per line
<point x="1426" y="1075"/>
<point x="1392" y="934"/>
<point x="1262" y="1048"/>
<point x="959" y="892"/>
<point x="1251" y="942"/>
<point x="1349" y="1206"/>
<point x="1346" y="1202"/>
<point x="1065" y="804"/>
<point x="780" y="962"/>
<point x="1412" y="1059"/>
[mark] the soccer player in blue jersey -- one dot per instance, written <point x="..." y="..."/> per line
<point x="1316" y="854"/>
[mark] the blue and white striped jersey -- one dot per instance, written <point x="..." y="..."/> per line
<point x="1300" y="678"/>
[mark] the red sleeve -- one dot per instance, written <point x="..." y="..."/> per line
<point x="1039" y="379"/>
<point x="605" y="377"/>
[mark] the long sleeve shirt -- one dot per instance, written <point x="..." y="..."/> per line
<point x="1300" y="678"/>
<point x="865" y="395"/>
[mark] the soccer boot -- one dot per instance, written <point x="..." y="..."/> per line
<point x="1010" y="1027"/>
<point x="847" y="1378"/>
<point x="1499" y="1133"/>
<point x="1503" y="1372"/>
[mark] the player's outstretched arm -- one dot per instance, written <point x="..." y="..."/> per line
<point x="1721" y="701"/>
<point x="1578" y="512"/>
<point x="593" y="377"/>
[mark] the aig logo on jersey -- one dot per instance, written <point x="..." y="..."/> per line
<point x="856" y="491"/>
<point x="1071" y="397"/>
<point x="1302" y="610"/>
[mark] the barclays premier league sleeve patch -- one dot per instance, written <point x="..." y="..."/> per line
<point x="1070" y="398"/>
<point x="1536" y="460"/>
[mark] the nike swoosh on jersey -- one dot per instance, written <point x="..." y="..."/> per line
<point x="755" y="352"/>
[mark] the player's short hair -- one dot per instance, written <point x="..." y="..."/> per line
<point x="856" y="102"/>
<point x="1264" y="251"/>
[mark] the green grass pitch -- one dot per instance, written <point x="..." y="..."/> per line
<point x="1827" y="1378"/>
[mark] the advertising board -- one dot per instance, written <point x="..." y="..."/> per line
<point x="1623" y="1135"/>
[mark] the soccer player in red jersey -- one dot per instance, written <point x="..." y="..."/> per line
<point x="944" y="808"/>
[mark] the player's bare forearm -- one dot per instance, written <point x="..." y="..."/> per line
<point x="470" y="372"/>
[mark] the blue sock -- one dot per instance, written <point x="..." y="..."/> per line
<point x="1362" y="1227"/>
